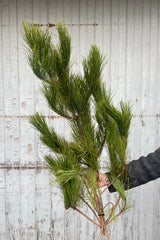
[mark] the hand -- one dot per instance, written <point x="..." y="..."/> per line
<point x="103" y="180"/>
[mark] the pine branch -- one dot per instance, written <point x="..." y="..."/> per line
<point x="108" y="204"/>
<point x="57" y="101"/>
<point x="48" y="136"/>
<point x="70" y="95"/>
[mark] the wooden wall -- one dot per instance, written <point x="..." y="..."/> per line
<point x="128" y="33"/>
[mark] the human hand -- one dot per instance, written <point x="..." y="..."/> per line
<point x="103" y="180"/>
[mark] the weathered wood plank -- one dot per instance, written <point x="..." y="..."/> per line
<point x="107" y="43"/>
<point x="137" y="67"/>
<point x="75" y="11"/>
<point x="2" y="205"/>
<point x="13" y="205"/>
<point x="114" y="64"/>
<point x="28" y="204"/>
<point x="43" y="206"/>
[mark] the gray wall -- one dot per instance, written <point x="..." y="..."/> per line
<point x="128" y="32"/>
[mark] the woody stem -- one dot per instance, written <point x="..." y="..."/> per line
<point x="86" y="216"/>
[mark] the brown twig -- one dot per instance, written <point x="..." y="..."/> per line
<point x="121" y="209"/>
<point x="118" y="213"/>
<point x="100" y="210"/>
<point x="100" y="235"/>
<point x="113" y="208"/>
<point x="108" y="204"/>
<point x="117" y="201"/>
<point x="74" y="208"/>
<point x="107" y="234"/>
<point x="90" y="208"/>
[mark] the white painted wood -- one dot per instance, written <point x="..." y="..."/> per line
<point x="2" y="205"/>
<point x="137" y="70"/>
<point x="28" y="204"/>
<point x="75" y="10"/>
<point x="107" y="43"/>
<point x="128" y="34"/>
<point x="114" y="63"/>
<point x="67" y="11"/>
<point x="131" y="35"/>
<point x="43" y="206"/>
<point x="13" y="205"/>
<point x="123" y="48"/>
<point x="1" y="78"/>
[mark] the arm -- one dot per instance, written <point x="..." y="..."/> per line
<point x="140" y="171"/>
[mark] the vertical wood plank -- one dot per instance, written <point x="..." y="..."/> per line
<point x="51" y="11"/>
<point x="2" y="204"/>
<point x="99" y="28"/>
<point x="154" y="48"/>
<point x="157" y="97"/>
<point x="75" y="11"/>
<point x="28" y="204"/>
<point x="144" y="92"/>
<point x="43" y="207"/>
<point x="11" y="111"/>
<point x="2" y="135"/>
<point x="138" y="53"/>
<point x="146" y="46"/>
<point x="57" y="211"/>
<point x="129" y="94"/>
<point x="156" y="193"/>
<point x="130" y="79"/>
<point x="124" y="225"/>
<point x="67" y="11"/>
<point x="13" y="201"/>
<point x="114" y="49"/>
<point x="107" y="42"/>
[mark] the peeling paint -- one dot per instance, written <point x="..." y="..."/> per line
<point x="30" y="148"/>
<point x="143" y="123"/>
<point x="60" y="117"/>
<point x="8" y="124"/>
<point x="16" y="139"/>
<point x="31" y="227"/>
<point x="69" y="25"/>
<point x="14" y="101"/>
<point x="10" y="166"/>
<point x="23" y="104"/>
<point x="13" y="116"/>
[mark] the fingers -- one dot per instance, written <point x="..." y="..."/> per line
<point x="102" y="180"/>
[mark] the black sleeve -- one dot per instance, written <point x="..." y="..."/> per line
<point x="141" y="171"/>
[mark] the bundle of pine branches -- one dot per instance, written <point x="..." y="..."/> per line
<point x="75" y="164"/>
